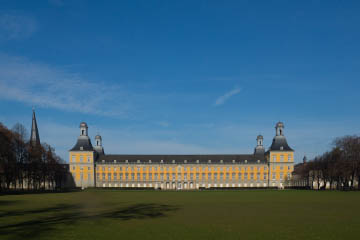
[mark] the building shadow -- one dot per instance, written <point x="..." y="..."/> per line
<point x="32" y="227"/>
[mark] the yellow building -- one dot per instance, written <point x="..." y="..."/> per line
<point x="91" y="167"/>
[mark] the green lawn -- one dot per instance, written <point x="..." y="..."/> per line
<point x="253" y="214"/>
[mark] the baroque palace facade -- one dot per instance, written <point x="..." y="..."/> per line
<point x="91" y="167"/>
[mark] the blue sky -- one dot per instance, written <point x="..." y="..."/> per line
<point x="182" y="76"/>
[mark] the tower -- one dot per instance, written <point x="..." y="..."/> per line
<point x="260" y="147"/>
<point x="34" y="137"/>
<point x="81" y="159"/>
<point x="280" y="158"/>
<point x="98" y="144"/>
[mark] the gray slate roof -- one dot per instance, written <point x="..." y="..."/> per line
<point x="190" y="159"/>
<point x="278" y="142"/>
<point x="83" y="142"/>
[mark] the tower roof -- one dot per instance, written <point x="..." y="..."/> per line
<point x="279" y="143"/>
<point x="34" y="138"/>
<point x="83" y="144"/>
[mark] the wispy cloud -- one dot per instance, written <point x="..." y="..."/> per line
<point x="222" y="99"/>
<point x="53" y="87"/>
<point x="15" y="27"/>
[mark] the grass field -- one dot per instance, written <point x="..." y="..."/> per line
<point x="253" y="214"/>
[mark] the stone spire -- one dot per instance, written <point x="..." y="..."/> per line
<point x="34" y="138"/>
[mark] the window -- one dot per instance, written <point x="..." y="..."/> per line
<point x="203" y="176"/>
<point x="89" y="176"/>
<point x="281" y="175"/>
<point x="233" y="176"/>
<point x="120" y="168"/>
<point x="103" y="176"/>
<point x="173" y="176"/>
<point x="114" y="161"/>
<point x="115" y="176"/>
<point x="185" y="176"/>
<point x="264" y="176"/>
<point x="150" y="176"/>
<point x="109" y="169"/>
<point x="161" y="176"/>
<point x="138" y="176"/>
<point x="289" y="167"/>
<point x="252" y="176"/>
<point x="273" y="176"/>
<point x="209" y="176"/>
<point x="126" y="176"/>
<point x="179" y="176"/>
<point x="289" y="175"/>
<point x="245" y="161"/>
<point x="258" y="176"/>
<point x="274" y="158"/>
<point x="209" y="168"/>
<point x="133" y="176"/>
<point x="81" y="158"/>
<point x="289" y="158"/>
<point x="281" y="167"/>
<point x="245" y="176"/>
<point x="191" y="176"/>
<point x="98" y="176"/>
<point x="167" y="176"/>
<point x="121" y="176"/>
<point x="89" y="168"/>
<point x="73" y="158"/>
<point x="281" y="158"/>
<point x="215" y="176"/>
<point x="144" y="176"/>
<point x="88" y="159"/>
<point x="81" y="168"/>
<point x="138" y="169"/>
<point x="156" y="176"/>
<point x="239" y="175"/>
<point x="227" y="176"/>
<point x="81" y="176"/>
<point x="144" y="168"/>
<point x="197" y="176"/>
<point x="109" y="176"/>
<point x="74" y="168"/>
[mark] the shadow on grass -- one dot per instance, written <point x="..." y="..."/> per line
<point x="37" y="226"/>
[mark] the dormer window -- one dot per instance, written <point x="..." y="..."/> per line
<point x="81" y="148"/>
<point x="221" y="161"/>
<point x="138" y="161"/>
<point x="233" y="161"/>
<point x="245" y="161"/>
<point x="209" y="161"/>
<point x="103" y="161"/>
<point x="161" y="161"/>
<point x="197" y="161"/>
<point x="114" y="161"/>
<point x="258" y="161"/>
<point x="173" y="161"/>
<point x="126" y="161"/>
<point x="149" y="161"/>
<point x="185" y="161"/>
<point x="281" y="148"/>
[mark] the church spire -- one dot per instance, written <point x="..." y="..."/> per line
<point x="34" y="138"/>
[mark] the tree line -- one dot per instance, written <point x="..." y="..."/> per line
<point x="27" y="167"/>
<point x="338" y="168"/>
